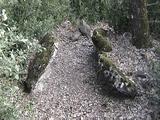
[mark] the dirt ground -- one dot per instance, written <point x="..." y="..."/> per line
<point x="68" y="89"/>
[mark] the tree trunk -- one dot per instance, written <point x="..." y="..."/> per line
<point x="140" y="24"/>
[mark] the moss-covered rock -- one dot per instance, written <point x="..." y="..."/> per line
<point x="38" y="62"/>
<point x="101" y="41"/>
<point x="114" y="78"/>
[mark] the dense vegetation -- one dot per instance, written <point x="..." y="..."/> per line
<point x="29" y="20"/>
<point x="154" y="12"/>
<point x="117" y="13"/>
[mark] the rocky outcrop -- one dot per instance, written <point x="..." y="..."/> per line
<point x="38" y="62"/>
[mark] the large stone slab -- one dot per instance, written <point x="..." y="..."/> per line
<point x="114" y="79"/>
<point x="38" y="62"/>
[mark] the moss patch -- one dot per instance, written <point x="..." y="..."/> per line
<point x="101" y="41"/>
<point x="114" y="78"/>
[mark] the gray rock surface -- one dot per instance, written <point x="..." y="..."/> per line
<point x="85" y="29"/>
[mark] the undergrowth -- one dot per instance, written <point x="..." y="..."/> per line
<point x="27" y="22"/>
<point x="116" y="12"/>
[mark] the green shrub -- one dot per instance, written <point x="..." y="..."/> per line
<point x="34" y="18"/>
<point x="14" y="51"/>
<point x="154" y="15"/>
<point x="116" y="12"/>
<point x="118" y="15"/>
<point x="28" y="21"/>
<point x="7" y="109"/>
<point x="155" y="69"/>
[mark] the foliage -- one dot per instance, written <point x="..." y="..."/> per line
<point x="116" y="12"/>
<point x="34" y="18"/>
<point x="154" y="15"/>
<point x="28" y="19"/>
<point x="14" y="50"/>
<point x="7" y="109"/>
<point x="13" y="103"/>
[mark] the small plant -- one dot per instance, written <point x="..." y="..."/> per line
<point x="116" y="12"/>
<point x="153" y="13"/>
<point x="7" y="109"/>
<point x="14" y="52"/>
<point x="34" y="18"/>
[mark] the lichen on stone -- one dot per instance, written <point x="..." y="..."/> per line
<point x="114" y="78"/>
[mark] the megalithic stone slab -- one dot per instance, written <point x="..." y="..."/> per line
<point x="38" y="63"/>
<point x="114" y="78"/>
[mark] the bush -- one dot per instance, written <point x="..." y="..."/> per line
<point x="116" y="12"/>
<point x="155" y="69"/>
<point x="118" y="15"/>
<point x="28" y="21"/>
<point x="14" y="51"/>
<point x="7" y="109"/>
<point x="34" y="18"/>
<point x="154" y="15"/>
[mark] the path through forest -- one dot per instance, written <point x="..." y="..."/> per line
<point x="68" y="90"/>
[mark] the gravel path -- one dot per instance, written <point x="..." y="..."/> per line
<point x="68" y="90"/>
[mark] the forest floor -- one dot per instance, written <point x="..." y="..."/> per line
<point x="69" y="90"/>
